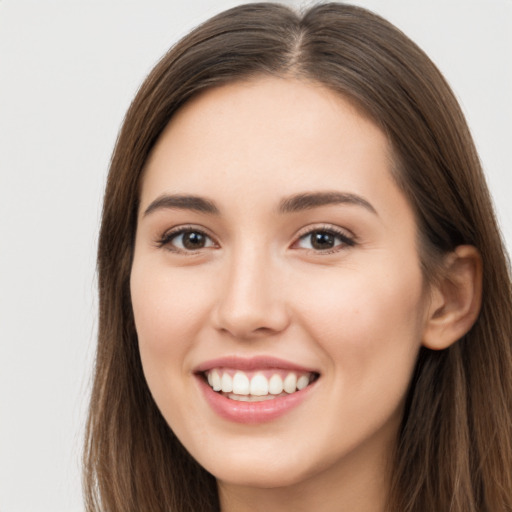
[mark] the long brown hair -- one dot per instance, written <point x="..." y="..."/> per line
<point x="454" y="447"/>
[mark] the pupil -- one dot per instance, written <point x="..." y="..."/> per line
<point x="193" y="240"/>
<point x="322" y="240"/>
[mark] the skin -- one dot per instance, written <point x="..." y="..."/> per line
<point x="357" y="313"/>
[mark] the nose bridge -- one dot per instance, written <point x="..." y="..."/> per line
<point x="251" y="302"/>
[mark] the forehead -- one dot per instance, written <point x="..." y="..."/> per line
<point x="264" y="118"/>
<point x="268" y="138"/>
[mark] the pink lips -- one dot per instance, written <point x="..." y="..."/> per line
<point x="248" y="364"/>
<point x="251" y="412"/>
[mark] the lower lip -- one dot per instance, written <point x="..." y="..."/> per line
<point x="252" y="412"/>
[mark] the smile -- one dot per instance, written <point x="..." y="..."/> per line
<point x="257" y="386"/>
<point x="255" y="390"/>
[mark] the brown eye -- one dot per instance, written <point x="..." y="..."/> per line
<point x="186" y="240"/>
<point x="324" y="240"/>
<point x="193" y="240"/>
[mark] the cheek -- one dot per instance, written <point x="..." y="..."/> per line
<point x="168" y="309"/>
<point x="168" y="313"/>
<point x="368" y="322"/>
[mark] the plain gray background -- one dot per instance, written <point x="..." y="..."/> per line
<point x="68" y="70"/>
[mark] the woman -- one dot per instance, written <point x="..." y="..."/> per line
<point x="304" y="298"/>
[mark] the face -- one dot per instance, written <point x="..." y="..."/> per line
<point x="276" y="284"/>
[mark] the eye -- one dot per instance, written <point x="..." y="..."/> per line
<point x="186" y="240"/>
<point x="324" y="240"/>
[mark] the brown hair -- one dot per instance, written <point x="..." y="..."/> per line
<point x="454" y="448"/>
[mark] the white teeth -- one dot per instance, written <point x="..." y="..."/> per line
<point x="227" y="383"/>
<point x="290" y="383"/>
<point x="275" y="385"/>
<point x="302" y="382"/>
<point x="216" y="383"/>
<point x="259" y="385"/>
<point x="240" y="384"/>
<point x="240" y="387"/>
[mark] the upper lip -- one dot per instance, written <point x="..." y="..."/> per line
<point x="251" y="363"/>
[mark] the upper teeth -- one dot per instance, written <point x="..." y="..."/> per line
<point x="240" y="383"/>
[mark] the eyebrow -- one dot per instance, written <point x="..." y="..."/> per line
<point x="308" y="201"/>
<point x="182" y="202"/>
<point x="295" y="203"/>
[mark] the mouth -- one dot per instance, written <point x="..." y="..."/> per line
<point x="254" y="390"/>
<point x="259" y="385"/>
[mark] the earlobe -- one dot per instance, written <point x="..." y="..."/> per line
<point x="455" y="299"/>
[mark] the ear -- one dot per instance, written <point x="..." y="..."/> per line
<point x="455" y="299"/>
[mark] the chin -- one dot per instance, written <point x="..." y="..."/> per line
<point x="264" y="476"/>
<point x="264" y="464"/>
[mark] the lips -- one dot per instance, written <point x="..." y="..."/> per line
<point x="254" y="390"/>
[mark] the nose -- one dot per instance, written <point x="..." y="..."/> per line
<point x="251" y="299"/>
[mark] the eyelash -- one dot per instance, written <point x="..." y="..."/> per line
<point x="345" y="239"/>
<point x="165" y="241"/>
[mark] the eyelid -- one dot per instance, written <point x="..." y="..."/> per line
<point x="164" y="240"/>
<point x="347" y="237"/>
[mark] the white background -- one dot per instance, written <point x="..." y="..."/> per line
<point x="68" y="70"/>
